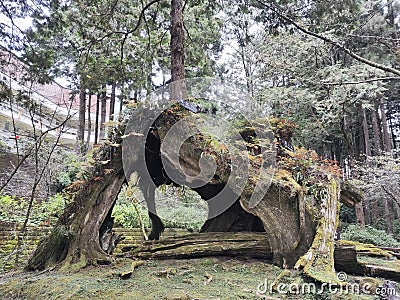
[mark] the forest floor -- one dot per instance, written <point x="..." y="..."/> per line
<point x="202" y="278"/>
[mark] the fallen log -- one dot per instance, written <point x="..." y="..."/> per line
<point x="256" y="245"/>
<point x="244" y="244"/>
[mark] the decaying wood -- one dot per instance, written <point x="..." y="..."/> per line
<point x="256" y="245"/>
<point x="245" y="244"/>
<point x="299" y="228"/>
<point x="346" y="259"/>
<point x="318" y="261"/>
<point x="75" y="240"/>
<point x="349" y="258"/>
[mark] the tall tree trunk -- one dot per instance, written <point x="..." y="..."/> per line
<point x="103" y="114"/>
<point x="89" y="119"/>
<point x="388" y="216"/>
<point x="367" y="212"/>
<point x="366" y="134"/>
<point x="358" y="135"/>
<point x="121" y="99"/>
<point x="112" y="101"/>
<point x="81" y="121"/>
<point x="376" y="131"/>
<point x="346" y="131"/>
<point x="392" y="130"/>
<point x="177" y="50"/>
<point x="387" y="144"/>
<point x="360" y="214"/>
<point x="374" y="212"/>
<point x="96" y="128"/>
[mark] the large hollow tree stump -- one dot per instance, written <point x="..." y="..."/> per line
<point x="296" y="223"/>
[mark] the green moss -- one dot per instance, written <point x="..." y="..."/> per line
<point x="318" y="262"/>
<point x="368" y="249"/>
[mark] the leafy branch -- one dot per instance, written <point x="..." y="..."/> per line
<point x="283" y="16"/>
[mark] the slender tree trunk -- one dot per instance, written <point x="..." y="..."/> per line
<point x="112" y="101"/>
<point x="121" y="99"/>
<point x="81" y="121"/>
<point x="392" y="131"/>
<point x="387" y="144"/>
<point x="366" y="134"/>
<point x="388" y="216"/>
<point x="103" y="113"/>
<point x="367" y="213"/>
<point x="397" y="211"/>
<point x="346" y="131"/>
<point x="358" y="135"/>
<point x="96" y="128"/>
<point x="89" y="119"/>
<point x="377" y="133"/>
<point x="360" y="214"/>
<point x="177" y="50"/>
<point x="374" y="211"/>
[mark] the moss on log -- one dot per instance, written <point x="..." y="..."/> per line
<point x="245" y="244"/>
<point x="366" y="260"/>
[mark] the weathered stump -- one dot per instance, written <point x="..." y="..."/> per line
<point x="75" y="240"/>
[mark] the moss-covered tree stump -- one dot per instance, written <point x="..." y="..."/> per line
<point x="298" y="213"/>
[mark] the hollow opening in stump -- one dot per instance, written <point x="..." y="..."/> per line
<point x="233" y="218"/>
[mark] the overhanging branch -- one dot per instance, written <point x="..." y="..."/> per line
<point x="391" y="194"/>
<point x="360" y="81"/>
<point x="357" y="57"/>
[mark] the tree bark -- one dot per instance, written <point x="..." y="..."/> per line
<point x="75" y="241"/>
<point x="376" y="131"/>
<point x="387" y="144"/>
<point x="103" y="114"/>
<point x="89" y="119"/>
<point x="360" y="214"/>
<point x="177" y="48"/>
<point x="245" y="244"/>
<point x="81" y="121"/>
<point x="112" y="101"/>
<point x="96" y="125"/>
<point x="388" y="215"/>
<point x="366" y="134"/>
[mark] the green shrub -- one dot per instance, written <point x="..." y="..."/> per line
<point x="51" y="209"/>
<point x="14" y="209"/>
<point x="179" y="209"/>
<point x="183" y="216"/>
<point x="3" y="147"/>
<point x="70" y="172"/>
<point x="369" y="235"/>
<point x="9" y="206"/>
<point x="125" y="215"/>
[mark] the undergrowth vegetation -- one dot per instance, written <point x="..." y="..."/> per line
<point x="13" y="209"/>
<point x="177" y="207"/>
<point x="369" y="235"/>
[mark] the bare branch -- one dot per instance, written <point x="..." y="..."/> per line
<point x="377" y="37"/>
<point x="361" y="81"/>
<point x="392" y="195"/>
<point x="357" y="57"/>
<point x="29" y="152"/>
